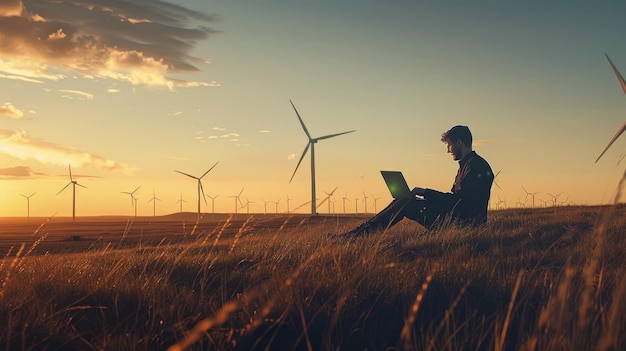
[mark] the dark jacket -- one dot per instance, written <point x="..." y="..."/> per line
<point x="468" y="200"/>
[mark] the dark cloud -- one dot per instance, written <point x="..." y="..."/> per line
<point x="113" y="39"/>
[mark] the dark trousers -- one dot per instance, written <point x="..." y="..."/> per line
<point x="424" y="212"/>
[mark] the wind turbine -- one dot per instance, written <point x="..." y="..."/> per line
<point x="311" y="144"/>
<point x="555" y="198"/>
<point x="376" y="199"/>
<point x="531" y="194"/>
<point x="213" y="202"/>
<point x="276" y="203"/>
<point x="27" y="203"/>
<point x="327" y="198"/>
<point x="365" y="200"/>
<point x="288" y="199"/>
<point x="200" y="189"/>
<point x="623" y="127"/>
<point x="181" y="202"/>
<point x="237" y="200"/>
<point x="74" y="183"/>
<point x="247" y="205"/>
<point x="133" y="201"/>
<point x="154" y="199"/>
<point x="265" y="205"/>
<point x="344" y="199"/>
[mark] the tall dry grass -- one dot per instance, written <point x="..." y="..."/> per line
<point x="542" y="279"/>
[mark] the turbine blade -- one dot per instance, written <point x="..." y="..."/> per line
<point x="68" y="184"/>
<point x="202" y="190"/>
<point x="333" y="135"/>
<point x="81" y="185"/>
<point x="619" y="76"/>
<point x="210" y="169"/>
<point x="137" y="188"/>
<point x="301" y="157"/>
<point x="332" y="192"/>
<point x="188" y="175"/>
<point x="70" y="168"/>
<point x="323" y="201"/>
<point x="241" y="192"/>
<point x="617" y="134"/>
<point x="300" y="119"/>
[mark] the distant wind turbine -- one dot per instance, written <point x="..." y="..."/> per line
<point x="74" y="183"/>
<point x="623" y="127"/>
<point x="200" y="189"/>
<point x="375" y="199"/>
<point x="265" y="202"/>
<point x="311" y="144"/>
<point x="344" y="199"/>
<point x="181" y="202"/>
<point x="276" y="203"/>
<point x="530" y="194"/>
<point x="28" y="203"/>
<point x="154" y="200"/>
<point x="213" y="202"/>
<point x="555" y="198"/>
<point x="237" y="199"/>
<point x="365" y="201"/>
<point x="288" y="199"/>
<point x="327" y="198"/>
<point x="133" y="201"/>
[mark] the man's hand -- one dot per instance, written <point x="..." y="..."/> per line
<point x="418" y="191"/>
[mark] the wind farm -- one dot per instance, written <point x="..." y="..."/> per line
<point x="155" y="94"/>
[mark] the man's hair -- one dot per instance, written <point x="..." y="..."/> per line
<point x="458" y="133"/>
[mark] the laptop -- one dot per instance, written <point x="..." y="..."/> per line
<point x="396" y="184"/>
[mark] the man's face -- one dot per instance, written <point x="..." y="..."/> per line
<point x="454" y="149"/>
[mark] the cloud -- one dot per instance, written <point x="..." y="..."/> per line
<point x="139" y="42"/>
<point x="19" y="173"/>
<point x="20" y="145"/>
<point x="292" y="156"/>
<point x="175" y="113"/>
<point x="10" y="111"/>
<point x="76" y="93"/>
<point x="113" y="91"/>
<point x="480" y="142"/>
<point x="218" y="128"/>
<point x="229" y="135"/>
<point x="264" y="131"/>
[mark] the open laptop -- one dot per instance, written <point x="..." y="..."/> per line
<point x="396" y="184"/>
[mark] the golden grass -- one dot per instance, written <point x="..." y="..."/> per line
<point x="542" y="279"/>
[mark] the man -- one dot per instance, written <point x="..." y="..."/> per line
<point x="465" y="204"/>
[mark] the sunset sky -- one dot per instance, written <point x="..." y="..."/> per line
<point x="128" y="91"/>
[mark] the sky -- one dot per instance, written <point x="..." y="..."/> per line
<point x="128" y="92"/>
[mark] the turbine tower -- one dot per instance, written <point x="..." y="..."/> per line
<point x="200" y="189"/>
<point x="154" y="200"/>
<point x="27" y="203"/>
<point x="74" y="183"/>
<point x="623" y="127"/>
<point x="327" y="198"/>
<point x="133" y="201"/>
<point x="311" y="144"/>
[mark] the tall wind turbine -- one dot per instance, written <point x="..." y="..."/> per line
<point x="27" y="203"/>
<point x="74" y="183"/>
<point x="154" y="200"/>
<point x="623" y="127"/>
<point x="200" y="189"/>
<point x="133" y="201"/>
<point x="311" y="144"/>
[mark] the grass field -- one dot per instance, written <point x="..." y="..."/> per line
<point x="531" y="279"/>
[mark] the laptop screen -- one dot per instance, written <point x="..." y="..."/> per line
<point x="396" y="184"/>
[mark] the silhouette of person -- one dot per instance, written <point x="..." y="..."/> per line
<point x="465" y="204"/>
